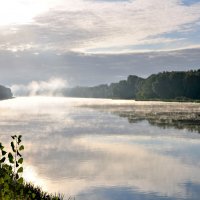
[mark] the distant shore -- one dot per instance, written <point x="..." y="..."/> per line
<point x="179" y="86"/>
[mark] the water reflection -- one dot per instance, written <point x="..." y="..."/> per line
<point x="161" y="114"/>
<point x="166" y="120"/>
<point x="81" y="151"/>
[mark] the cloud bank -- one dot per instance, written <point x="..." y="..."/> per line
<point x="89" y="70"/>
<point x="89" y="42"/>
<point x="106" y="26"/>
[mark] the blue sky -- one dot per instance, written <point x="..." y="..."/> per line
<point x="190" y="2"/>
<point x="96" y="27"/>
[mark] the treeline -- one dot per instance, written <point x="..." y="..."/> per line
<point x="5" y="93"/>
<point x="165" y="85"/>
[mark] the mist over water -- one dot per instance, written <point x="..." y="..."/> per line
<point x="51" y="87"/>
<point x="107" y="149"/>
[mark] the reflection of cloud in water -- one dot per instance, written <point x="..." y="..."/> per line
<point x="73" y="148"/>
<point x="126" y="193"/>
<point x="30" y="175"/>
<point x="93" y="162"/>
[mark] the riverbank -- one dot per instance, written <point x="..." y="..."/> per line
<point x="12" y="184"/>
<point x="11" y="189"/>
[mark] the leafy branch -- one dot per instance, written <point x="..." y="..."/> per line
<point x="12" y="184"/>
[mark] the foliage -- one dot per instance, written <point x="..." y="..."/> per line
<point x="125" y="89"/>
<point x="5" y="93"/>
<point x="171" y="85"/>
<point x="165" y="85"/>
<point x="12" y="185"/>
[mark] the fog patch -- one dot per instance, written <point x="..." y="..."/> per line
<point x="52" y="87"/>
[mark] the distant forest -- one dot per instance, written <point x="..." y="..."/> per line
<point x="165" y="85"/>
<point x="5" y="93"/>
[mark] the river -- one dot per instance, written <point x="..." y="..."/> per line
<point x="98" y="149"/>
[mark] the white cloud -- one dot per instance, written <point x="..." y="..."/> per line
<point x="83" y="25"/>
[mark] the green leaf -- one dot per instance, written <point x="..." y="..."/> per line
<point x="21" y="180"/>
<point x="1" y="146"/>
<point x="1" y="180"/>
<point x="17" y="176"/>
<point x="18" y="154"/>
<point x="6" y="177"/>
<point x="20" y="170"/>
<point x="19" y="139"/>
<point x="20" y="161"/>
<point x="10" y="168"/>
<point x="2" y="160"/>
<point x="3" y="153"/>
<point x="10" y="157"/>
<point x="21" y="147"/>
<point x="33" y="195"/>
<point x="13" y="137"/>
<point x="21" y="191"/>
<point x="13" y="146"/>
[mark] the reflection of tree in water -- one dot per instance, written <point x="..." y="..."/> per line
<point x="179" y="120"/>
<point x="161" y="114"/>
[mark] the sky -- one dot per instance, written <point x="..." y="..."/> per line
<point x="89" y="42"/>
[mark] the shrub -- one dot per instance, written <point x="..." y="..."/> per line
<point x="12" y="184"/>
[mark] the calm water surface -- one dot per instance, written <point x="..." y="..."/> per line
<point x="97" y="149"/>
